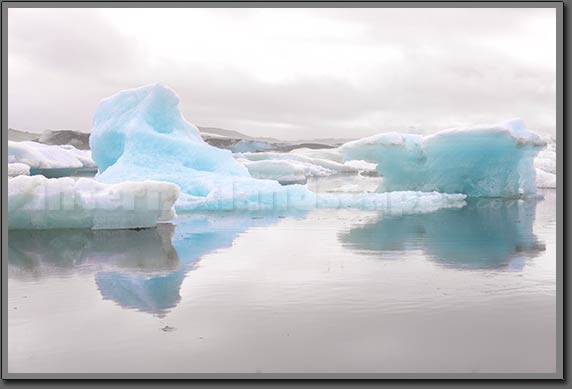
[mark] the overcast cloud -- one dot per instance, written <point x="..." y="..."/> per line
<point x="289" y="73"/>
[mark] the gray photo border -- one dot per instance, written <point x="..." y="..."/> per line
<point x="558" y="5"/>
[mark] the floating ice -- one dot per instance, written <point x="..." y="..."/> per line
<point x="37" y="202"/>
<point x="285" y="172"/>
<point x="344" y="183"/>
<point x="545" y="164"/>
<point x="362" y="166"/>
<point x="140" y="130"/>
<point x="18" y="169"/>
<point x="546" y="161"/>
<point x="487" y="161"/>
<point x="545" y="179"/>
<point x="290" y="167"/>
<point x="41" y="156"/>
<point x="331" y="154"/>
<point x="319" y="166"/>
<point x="392" y="203"/>
<point x="140" y="134"/>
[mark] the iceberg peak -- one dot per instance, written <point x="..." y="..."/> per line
<point x="143" y="128"/>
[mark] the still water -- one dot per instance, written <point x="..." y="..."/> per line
<point x="344" y="291"/>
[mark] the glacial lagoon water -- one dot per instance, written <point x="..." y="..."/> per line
<point x="325" y="291"/>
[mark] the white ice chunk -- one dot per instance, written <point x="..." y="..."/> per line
<point x="18" y="169"/>
<point x="361" y="165"/>
<point x="290" y="166"/>
<point x="545" y="179"/>
<point x="41" y="156"/>
<point x="404" y="202"/>
<point x="332" y="154"/>
<point x="545" y="164"/>
<point x="488" y="161"/>
<point x="282" y="170"/>
<point x="37" y="202"/>
<point x="546" y="161"/>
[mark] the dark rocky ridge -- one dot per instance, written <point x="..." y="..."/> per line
<point x="217" y="137"/>
<point x="77" y="139"/>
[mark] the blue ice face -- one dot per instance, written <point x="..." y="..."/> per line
<point x="494" y="161"/>
<point x="139" y="135"/>
<point x="142" y="128"/>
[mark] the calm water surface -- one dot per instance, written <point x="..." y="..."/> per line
<point x="460" y="290"/>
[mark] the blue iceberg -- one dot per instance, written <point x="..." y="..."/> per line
<point x="139" y="135"/>
<point x="483" y="161"/>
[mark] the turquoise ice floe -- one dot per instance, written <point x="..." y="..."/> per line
<point x="482" y="161"/>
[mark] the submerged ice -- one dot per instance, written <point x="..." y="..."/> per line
<point x="486" y="161"/>
<point x="140" y="134"/>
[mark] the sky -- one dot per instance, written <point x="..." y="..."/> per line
<point x="289" y="73"/>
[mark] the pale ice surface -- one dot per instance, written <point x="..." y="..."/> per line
<point x="361" y="165"/>
<point x="40" y="156"/>
<point x="322" y="166"/>
<point x="487" y="161"/>
<point x="37" y="202"/>
<point x="545" y="179"/>
<point x="332" y="154"/>
<point x="140" y="134"/>
<point x="282" y="170"/>
<point x="300" y="164"/>
<point x="290" y="167"/>
<point x="345" y="183"/>
<point x="545" y="164"/>
<point x="18" y="169"/>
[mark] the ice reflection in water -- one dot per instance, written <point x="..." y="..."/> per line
<point x="485" y="234"/>
<point x="137" y="269"/>
<point x="144" y="269"/>
<point x="33" y="254"/>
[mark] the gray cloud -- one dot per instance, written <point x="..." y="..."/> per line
<point x="447" y="73"/>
